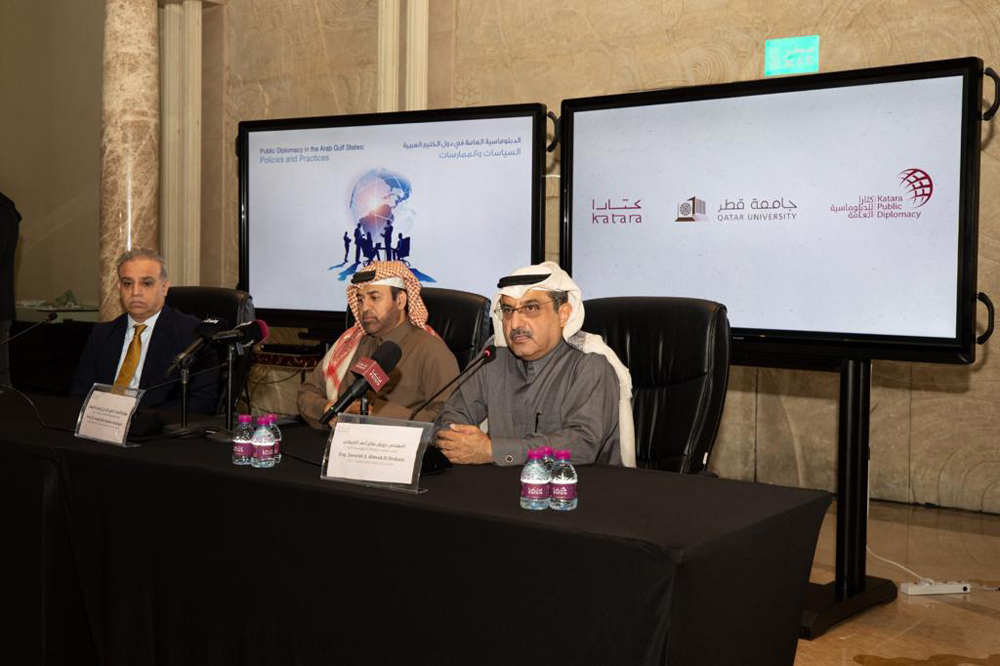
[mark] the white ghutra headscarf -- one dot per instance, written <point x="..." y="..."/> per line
<point x="548" y="276"/>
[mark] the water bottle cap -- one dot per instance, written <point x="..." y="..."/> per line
<point x="246" y="418"/>
<point x="565" y="454"/>
<point x="261" y="420"/>
<point x="273" y="417"/>
<point x="534" y="454"/>
<point x="546" y="451"/>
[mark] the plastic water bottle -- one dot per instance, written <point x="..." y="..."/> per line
<point x="562" y="496"/>
<point x="272" y="421"/>
<point x="535" y="482"/>
<point x="263" y="444"/>
<point x="548" y="457"/>
<point x="242" y="438"/>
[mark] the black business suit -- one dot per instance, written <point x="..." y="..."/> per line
<point x="173" y="332"/>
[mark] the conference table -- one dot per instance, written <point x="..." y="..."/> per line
<point x="168" y="554"/>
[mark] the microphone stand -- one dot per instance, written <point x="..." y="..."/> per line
<point x="230" y="364"/>
<point x="52" y="317"/>
<point x="183" y="430"/>
<point x="185" y="376"/>
<point x="224" y="435"/>
<point x="470" y="370"/>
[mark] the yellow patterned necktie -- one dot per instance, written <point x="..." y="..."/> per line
<point x="131" y="361"/>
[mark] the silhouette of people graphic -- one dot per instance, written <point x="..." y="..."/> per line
<point x="371" y="250"/>
<point x="357" y="243"/>
<point x="387" y="235"/>
<point x="402" y="250"/>
<point x="347" y="246"/>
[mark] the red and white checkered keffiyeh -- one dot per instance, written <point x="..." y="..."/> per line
<point x="338" y="359"/>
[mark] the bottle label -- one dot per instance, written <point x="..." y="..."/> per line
<point x="535" y="491"/>
<point x="242" y="449"/>
<point x="277" y="446"/>
<point x="263" y="452"/>
<point x="564" y="491"/>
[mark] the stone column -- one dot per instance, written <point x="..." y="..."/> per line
<point x="388" y="55"/>
<point x="417" y="25"/>
<point x="130" y="130"/>
<point x="180" y="140"/>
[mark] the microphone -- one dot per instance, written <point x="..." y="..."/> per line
<point x="485" y="356"/>
<point x="248" y="333"/>
<point x="202" y="334"/>
<point x="372" y="372"/>
<point x="52" y="316"/>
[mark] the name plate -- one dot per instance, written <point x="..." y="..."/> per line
<point x="107" y="413"/>
<point x="376" y="451"/>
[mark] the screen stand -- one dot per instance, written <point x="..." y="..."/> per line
<point x="852" y="591"/>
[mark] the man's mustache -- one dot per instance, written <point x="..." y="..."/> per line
<point x="514" y="332"/>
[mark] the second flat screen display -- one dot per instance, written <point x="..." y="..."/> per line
<point x="832" y="210"/>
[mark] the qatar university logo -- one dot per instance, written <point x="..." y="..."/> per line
<point x="918" y="185"/>
<point x="691" y="210"/>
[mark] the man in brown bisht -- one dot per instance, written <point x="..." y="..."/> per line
<point x="385" y="300"/>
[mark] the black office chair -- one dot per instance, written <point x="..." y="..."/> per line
<point x="677" y="350"/>
<point x="462" y="319"/>
<point x="232" y="305"/>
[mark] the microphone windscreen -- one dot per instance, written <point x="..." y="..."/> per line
<point x="264" y="330"/>
<point x="490" y="352"/>
<point x="209" y="327"/>
<point x="387" y="356"/>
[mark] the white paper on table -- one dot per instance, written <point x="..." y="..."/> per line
<point x="377" y="453"/>
<point x="106" y="416"/>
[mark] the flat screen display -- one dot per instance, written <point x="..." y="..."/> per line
<point x="455" y="194"/>
<point x="834" y="211"/>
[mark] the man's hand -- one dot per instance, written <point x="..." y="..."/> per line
<point x="465" y="444"/>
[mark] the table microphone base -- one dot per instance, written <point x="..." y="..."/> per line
<point x="222" y="436"/>
<point x="177" y="430"/>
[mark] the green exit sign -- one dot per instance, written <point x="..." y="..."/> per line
<point x="792" y="55"/>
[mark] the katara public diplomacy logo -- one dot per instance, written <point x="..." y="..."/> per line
<point x="918" y="185"/>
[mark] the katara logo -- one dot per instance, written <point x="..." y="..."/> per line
<point x="918" y="185"/>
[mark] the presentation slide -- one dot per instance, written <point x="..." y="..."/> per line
<point x="452" y="199"/>
<point x="829" y="210"/>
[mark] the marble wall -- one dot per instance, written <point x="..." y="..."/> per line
<point x="285" y="59"/>
<point x="933" y="428"/>
<point x="50" y="141"/>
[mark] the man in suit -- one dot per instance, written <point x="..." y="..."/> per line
<point x="135" y="349"/>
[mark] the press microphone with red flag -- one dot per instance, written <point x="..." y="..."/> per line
<point x="485" y="356"/>
<point x="248" y="333"/>
<point x="372" y="373"/>
<point x="203" y="333"/>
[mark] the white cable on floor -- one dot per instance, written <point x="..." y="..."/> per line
<point x="871" y="552"/>
<point x="897" y="564"/>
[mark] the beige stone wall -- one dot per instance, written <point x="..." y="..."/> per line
<point x="50" y="141"/>
<point x="283" y="59"/>
<point x="934" y="428"/>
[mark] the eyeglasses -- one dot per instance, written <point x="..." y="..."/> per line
<point x="529" y="310"/>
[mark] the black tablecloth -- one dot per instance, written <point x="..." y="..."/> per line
<point x="182" y="558"/>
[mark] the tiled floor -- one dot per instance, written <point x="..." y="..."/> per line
<point x="946" y="630"/>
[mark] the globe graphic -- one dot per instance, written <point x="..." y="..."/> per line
<point x="376" y="198"/>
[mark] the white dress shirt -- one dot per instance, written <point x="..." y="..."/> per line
<point x="144" y="338"/>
